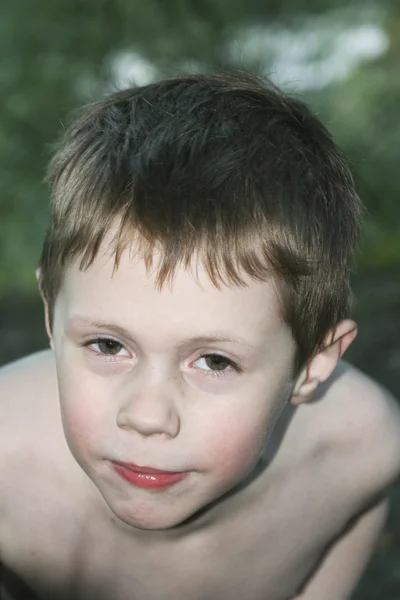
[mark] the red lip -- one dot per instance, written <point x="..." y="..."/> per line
<point x="138" y="469"/>
<point x="147" y="477"/>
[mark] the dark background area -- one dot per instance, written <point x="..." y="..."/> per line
<point x="343" y="58"/>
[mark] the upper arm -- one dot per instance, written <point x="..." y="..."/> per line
<point x="344" y="562"/>
<point x="366" y="436"/>
<point x="379" y="445"/>
<point x="367" y="462"/>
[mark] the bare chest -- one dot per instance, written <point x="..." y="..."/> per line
<point x="214" y="568"/>
<point x="261" y="550"/>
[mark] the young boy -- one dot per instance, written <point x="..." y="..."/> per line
<point x="193" y="434"/>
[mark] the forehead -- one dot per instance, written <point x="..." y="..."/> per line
<point x="129" y="292"/>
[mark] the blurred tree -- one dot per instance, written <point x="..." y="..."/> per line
<point x="364" y="115"/>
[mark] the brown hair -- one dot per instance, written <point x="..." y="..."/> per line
<point x="225" y="166"/>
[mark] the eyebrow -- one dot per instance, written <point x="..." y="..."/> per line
<point x="218" y="337"/>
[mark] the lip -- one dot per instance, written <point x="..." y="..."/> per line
<point x="147" y="477"/>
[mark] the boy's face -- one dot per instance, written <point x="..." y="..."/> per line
<point x="135" y="389"/>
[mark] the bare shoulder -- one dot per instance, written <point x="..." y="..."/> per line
<point x="39" y="479"/>
<point x="25" y="386"/>
<point x="361" y="423"/>
<point x="41" y="362"/>
<point x="29" y="414"/>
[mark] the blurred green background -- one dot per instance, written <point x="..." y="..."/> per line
<point x="342" y="57"/>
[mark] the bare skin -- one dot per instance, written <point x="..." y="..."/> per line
<point x="263" y="541"/>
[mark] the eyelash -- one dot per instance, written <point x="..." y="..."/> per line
<point x="214" y="374"/>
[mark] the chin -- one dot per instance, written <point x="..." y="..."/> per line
<point x="150" y="520"/>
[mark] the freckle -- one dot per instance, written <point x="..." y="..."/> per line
<point x="33" y="553"/>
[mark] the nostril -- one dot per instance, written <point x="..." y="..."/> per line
<point x="147" y="418"/>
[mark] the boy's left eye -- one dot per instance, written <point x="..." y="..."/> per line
<point x="216" y="365"/>
<point x="107" y="347"/>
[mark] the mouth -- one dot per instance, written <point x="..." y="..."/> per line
<point x="147" y="477"/>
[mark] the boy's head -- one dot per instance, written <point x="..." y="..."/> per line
<point x="225" y="167"/>
<point x="184" y="213"/>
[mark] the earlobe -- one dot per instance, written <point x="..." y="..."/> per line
<point x="306" y="384"/>
<point x="322" y="365"/>
<point x="47" y="322"/>
<point x="39" y="280"/>
<point x="300" y="381"/>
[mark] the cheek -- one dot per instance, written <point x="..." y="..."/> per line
<point x="233" y="444"/>
<point x="81" y="415"/>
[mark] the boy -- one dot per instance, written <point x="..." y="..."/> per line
<point x="193" y="433"/>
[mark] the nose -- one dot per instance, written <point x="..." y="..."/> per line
<point x="150" y="410"/>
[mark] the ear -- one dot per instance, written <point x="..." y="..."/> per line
<point x="39" y="280"/>
<point x="322" y="365"/>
